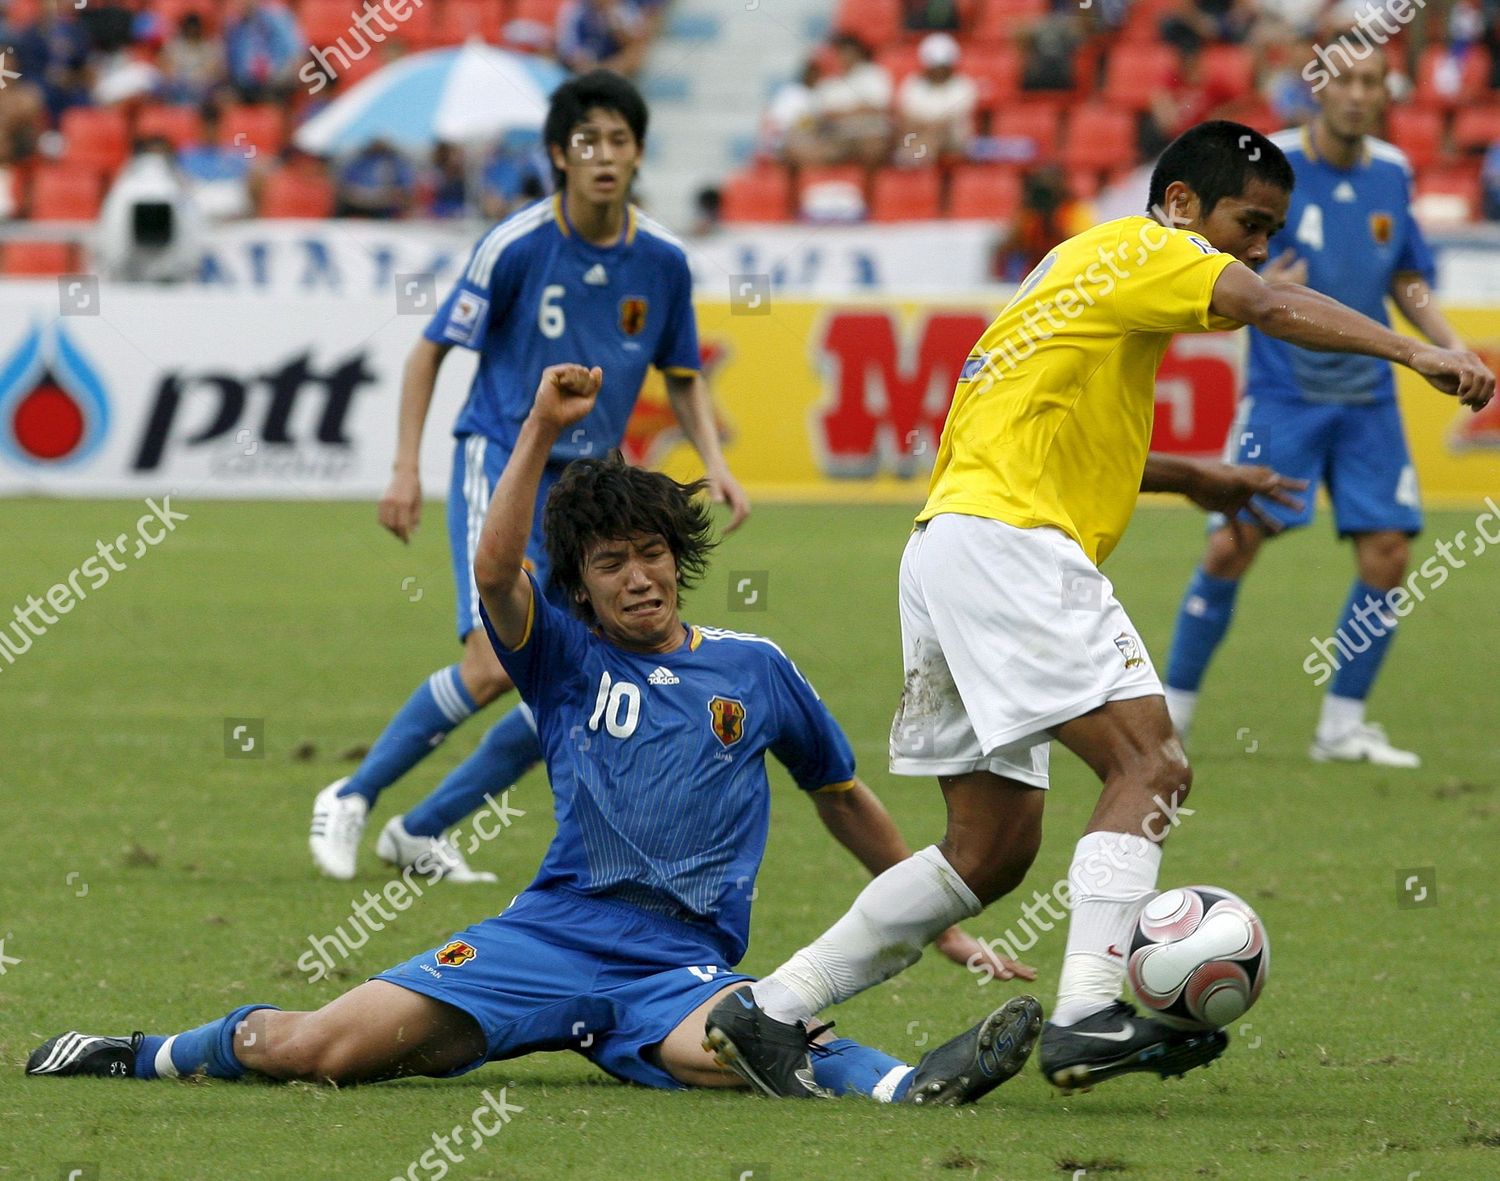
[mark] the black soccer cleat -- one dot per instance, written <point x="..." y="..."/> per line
<point x="977" y="1061"/>
<point x="86" y="1053"/>
<point x="770" y="1055"/>
<point x="1118" y="1040"/>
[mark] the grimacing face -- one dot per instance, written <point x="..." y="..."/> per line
<point x="1241" y="226"/>
<point x="631" y="584"/>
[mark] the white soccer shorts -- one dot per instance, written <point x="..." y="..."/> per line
<point x="1005" y="633"/>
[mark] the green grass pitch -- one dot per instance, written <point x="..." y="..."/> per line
<point x="152" y="882"/>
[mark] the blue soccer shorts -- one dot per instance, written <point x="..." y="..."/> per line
<point x="477" y="464"/>
<point x="1357" y="450"/>
<point x="562" y="971"/>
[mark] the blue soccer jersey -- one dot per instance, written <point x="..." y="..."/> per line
<point x="535" y="294"/>
<point x="657" y="763"/>
<point x="1355" y="230"/>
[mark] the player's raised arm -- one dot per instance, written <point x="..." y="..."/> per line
<point x="1311" y="320"/>
<point x="564" y="397"/>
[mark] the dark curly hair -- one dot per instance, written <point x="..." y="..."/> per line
<point x="608" y="500"/>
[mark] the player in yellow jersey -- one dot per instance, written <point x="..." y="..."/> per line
<point x="1011" y="635"/>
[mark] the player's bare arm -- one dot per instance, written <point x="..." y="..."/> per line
<point x="694" y="409"/>
<point x="1307" y="318"/>
<point x="859" y="821"/>
<point x="1227" y="488"/>
<point x="1418" y="303"/>
<point x="401" y="506"/>
<point x="564" y="397"/>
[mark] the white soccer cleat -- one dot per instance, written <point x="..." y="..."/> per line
<point x="429" y="855"/>
<point x="337" y="824"/>
<point x="1365" y="743"/>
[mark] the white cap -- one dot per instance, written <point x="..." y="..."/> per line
<point x="937" y="49"/>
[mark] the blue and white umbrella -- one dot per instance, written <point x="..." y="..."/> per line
<point x="469" y="93"/>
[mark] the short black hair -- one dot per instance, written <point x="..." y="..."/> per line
<point x="575" y="98"/>
<point x="1218" y="159"/>
<point x="598" y="500"/>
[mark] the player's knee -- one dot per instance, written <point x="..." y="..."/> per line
<point x="1383" y="559"/>
<point x="1170" y="775"/>
<point x="1228" y="558"/>
<point x="483" y="676"/>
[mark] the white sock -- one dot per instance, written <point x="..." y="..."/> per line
<point x="1340" y="715"/>
<point x="1181" y="705"/>
<point x="1112" y="877"/>
<point x="893" y="918"/>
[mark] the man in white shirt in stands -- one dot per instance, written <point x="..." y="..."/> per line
<point x="935" y="107"/>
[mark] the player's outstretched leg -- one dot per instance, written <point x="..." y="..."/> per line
<point x="375" y="1031"/>
<point x="978" y="1060"/>
<point x="508" y="751"/>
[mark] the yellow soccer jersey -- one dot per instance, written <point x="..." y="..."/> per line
<point x="1051" y="418"/>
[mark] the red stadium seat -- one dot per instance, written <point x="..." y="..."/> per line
<point x="95" y="137"/>
<point x="66" y="192"/>
<point x="1418" y="132"/>
<point x="1144" y="20"/>
<point x="997" y="69"/>
<point x="1460" y="184"/>
<point x="1002" y="20"/>
<point x="261" y="127"/>
<point x="875" y="22"/>
<point x="37" y="258"/>
<point x="179" y="125"/>
<point x="1133" y="74"/>
<point x="1098" y="136"/>
<point x="463" y="19"/>
<point x="757" y="194"/>
<point x="1476" y="128"/>
<point x="1232" y="67"/>
<point x="1034" y="121"/>
<point x="906" y="194"/>
<point x="325" y="21"/>
<point x="900" y="61"/>
<point x="984" y="192"/>
<point x="297" y="192"/>
<point x="543" y="11"/>
<point x="1445" y="83"/>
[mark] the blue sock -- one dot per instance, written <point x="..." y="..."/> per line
<point x="1367" y="641"/>
<point x="209" y="1048"/>
<point x="440" y="703"/>
<point x="1207" y="607"/>
<point x="845" y="1067"/>
<point x="507" y="752"/>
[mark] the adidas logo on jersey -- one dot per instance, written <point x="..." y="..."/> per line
<point x="1345" y="192"/>
<point x="663" y="676"/>
<point x="596" y="276"/>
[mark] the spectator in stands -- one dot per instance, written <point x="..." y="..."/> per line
<point x="262" y="46"/>
<point x="445" y="188"/>
<point x="1195" y="22"/>
<point x="855" y="105"/>
<point x="218" y="175"/>
<point x="150" y="227"/>
<point x="935" y="107"/>
<point x="53" y="52"/>
<point x="791" y="129"/>
<point x="23" y="112"/>
<point x="1048" y="216"/>
<point x="1190" y="97"/>
<point x="1049" y="47"/>
<point x="930" y="16"/>
<point x="1283" y="85"/>
<point x="192" y="64"/>
<point x="513" y="176"/>
<point x="601" y="33"/>
<point x="377" y="182"/>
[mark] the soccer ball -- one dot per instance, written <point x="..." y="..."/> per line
<point x="1199" y="957"/>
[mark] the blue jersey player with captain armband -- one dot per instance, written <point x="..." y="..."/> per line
<point x="655" y="734"/>
<point x="582" y="276"/>
<point x="1330" y="418"/>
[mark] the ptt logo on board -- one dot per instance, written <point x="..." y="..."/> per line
<point x="455" y="953"/>
<point x="54" y="410"/>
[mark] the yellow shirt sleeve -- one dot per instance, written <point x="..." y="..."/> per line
<point x="1169" y="281"/>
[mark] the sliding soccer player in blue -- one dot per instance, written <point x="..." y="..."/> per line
<point x="1330" y="418"/>
<point x="655" y="733"/>
<point x="583" y="276"/>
